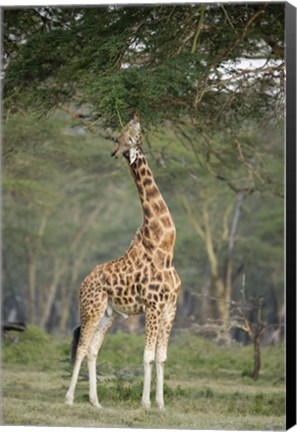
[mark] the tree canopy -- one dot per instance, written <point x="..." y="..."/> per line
<point x="216" y="65"/>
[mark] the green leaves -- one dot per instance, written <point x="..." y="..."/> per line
<point x="159" y="60"/>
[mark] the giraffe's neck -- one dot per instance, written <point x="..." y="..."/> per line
<point x="158" y="230"/>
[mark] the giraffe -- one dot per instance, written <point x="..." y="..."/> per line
<point x="143" y="280"/>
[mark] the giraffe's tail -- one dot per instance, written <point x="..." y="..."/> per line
<point x="75" y="340"/>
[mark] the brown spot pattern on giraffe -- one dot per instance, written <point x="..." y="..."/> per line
<point x="152" y="288"/>
<point x="144" y="276"/>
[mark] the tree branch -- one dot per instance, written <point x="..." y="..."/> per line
<point x="198" y="30"/>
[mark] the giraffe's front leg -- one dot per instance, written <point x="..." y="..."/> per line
<point x="152" y="319"/>
<point x="161" y="351"/>
<point x="148" y="358"/>
<point x="160" y="379"/>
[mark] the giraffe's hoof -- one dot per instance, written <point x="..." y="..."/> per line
<point x="95" y="404"/>
<point x="146" y="404"/>
<point x="69" y="400"/>
<point x="161" y="405"/>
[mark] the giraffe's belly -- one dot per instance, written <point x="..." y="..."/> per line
<point x="126" y="306"/>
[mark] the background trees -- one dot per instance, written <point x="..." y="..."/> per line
<point x="208" y="82"/>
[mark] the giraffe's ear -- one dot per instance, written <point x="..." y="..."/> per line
<point x="132" y="155"/>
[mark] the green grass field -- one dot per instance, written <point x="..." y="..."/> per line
<point x="207" y="386"/>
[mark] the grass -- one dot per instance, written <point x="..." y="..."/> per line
<point x="206" y="385"/>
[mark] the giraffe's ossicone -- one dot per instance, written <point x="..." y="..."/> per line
<point x="143" y="280"/>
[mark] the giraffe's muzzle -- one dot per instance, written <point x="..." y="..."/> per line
<point x="121" y="148"/>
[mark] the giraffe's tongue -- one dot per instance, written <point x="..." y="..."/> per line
<point x="117" y="152"/>
<point x="120" y="149"/>
<point x="114" y="154"/>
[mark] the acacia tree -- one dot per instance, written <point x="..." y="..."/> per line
<point x="203" y="69"/>
<point x="220" y="280"/>
<point x="213" y="73"/>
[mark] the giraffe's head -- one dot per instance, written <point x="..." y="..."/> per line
<point x="129" y="140"/>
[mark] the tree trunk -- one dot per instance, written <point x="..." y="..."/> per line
<point x="31" y="308"/>
<point x="33" y="251"/>
<point x="206" y="309"/>
<point x="67" y="292"/>
<point x="229" y="258"/>
<point x="222" y="306"/>
<point x="59" y="269"/>
<point x="257" y="357"/>
<point x="78" y="257"/>
<point x="222" y="285"/>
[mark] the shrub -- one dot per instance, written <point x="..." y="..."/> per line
<point x="33" y="348"/>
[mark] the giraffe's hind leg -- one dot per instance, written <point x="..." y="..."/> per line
<point x="92" y="354"/>
<point x="161" y="350"/>
<point x="90" y="321"/>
